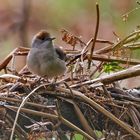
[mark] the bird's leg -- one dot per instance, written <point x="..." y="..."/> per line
<point x="53" y="82"/>
<point x="55" y="79"/>
<point x="38" y="79"/>
<point x="47" y="79"/>
<point x="42" y="79"/>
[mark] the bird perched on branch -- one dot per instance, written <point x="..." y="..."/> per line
<point x="44" y="59"/>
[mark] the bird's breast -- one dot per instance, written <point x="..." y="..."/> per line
<point x="53" y="68"/>
<point x="44" y="63"/>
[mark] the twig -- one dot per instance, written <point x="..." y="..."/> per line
<point x="125" y="97"/>
<point x="127" y="73"/>
<point x="55" y="117"/>
<point x="95" y="35"/>
<point x="101" y="57"/>
<point x="104" y="41"/>
<point x="5" y="62"/>
<point x="82" y="53"/>
<point x="25" y="11"/>
<point x="25" y="100"/>
<point x="136" y="111"/>
<point x="104" y="111"/>
<point x="28" y="103"/>
<point x="67" y="33"/>
<point x="96" y="69"/>
<point x="82" y="119"/>
<point x="76" y="128"/>
<point x="18" y="127"/>
<point x="134" y="118"/>
<point x="33" y="112"/>
<point x="126" y="40"/>
<point x="21" y="105"/>
<point x="104" y="50"/>
<point x="127" y="103"/>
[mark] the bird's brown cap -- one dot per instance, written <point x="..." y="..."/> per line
<point x="42" y="35"/>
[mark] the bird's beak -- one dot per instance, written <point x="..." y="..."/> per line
<point x="52" y="38"/>
<point x="49" y="38"/>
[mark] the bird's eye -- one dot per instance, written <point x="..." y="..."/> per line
<point x="44" y="38"/>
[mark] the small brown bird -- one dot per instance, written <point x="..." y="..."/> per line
<point x="44" y="59"/>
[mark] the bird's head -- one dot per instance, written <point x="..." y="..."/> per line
<point x="41" y="37"/>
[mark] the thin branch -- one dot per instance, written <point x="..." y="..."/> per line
<point x="23" y="25"/>
<point x="54" y="117"/>
<point x="5" y="62"/>
<point x="127" y="73"/>
<point x="130" y="38"/>
<point x="102" y="110"/>
<point x="101" y="57"/>
<point x="21" y="105"/>
<point x="28" y="103"/>
<point x="25" y="100"/>
<point x="82" y="118"/>
<point x="95" y="35"/>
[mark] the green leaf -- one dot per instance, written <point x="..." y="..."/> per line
<point x="77" y="137"/>
<point x="112" y="67"/>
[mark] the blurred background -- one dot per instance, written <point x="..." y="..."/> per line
<point x="21" y="19"/>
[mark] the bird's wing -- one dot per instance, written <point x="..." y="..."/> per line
<point x="60" y="53"/>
